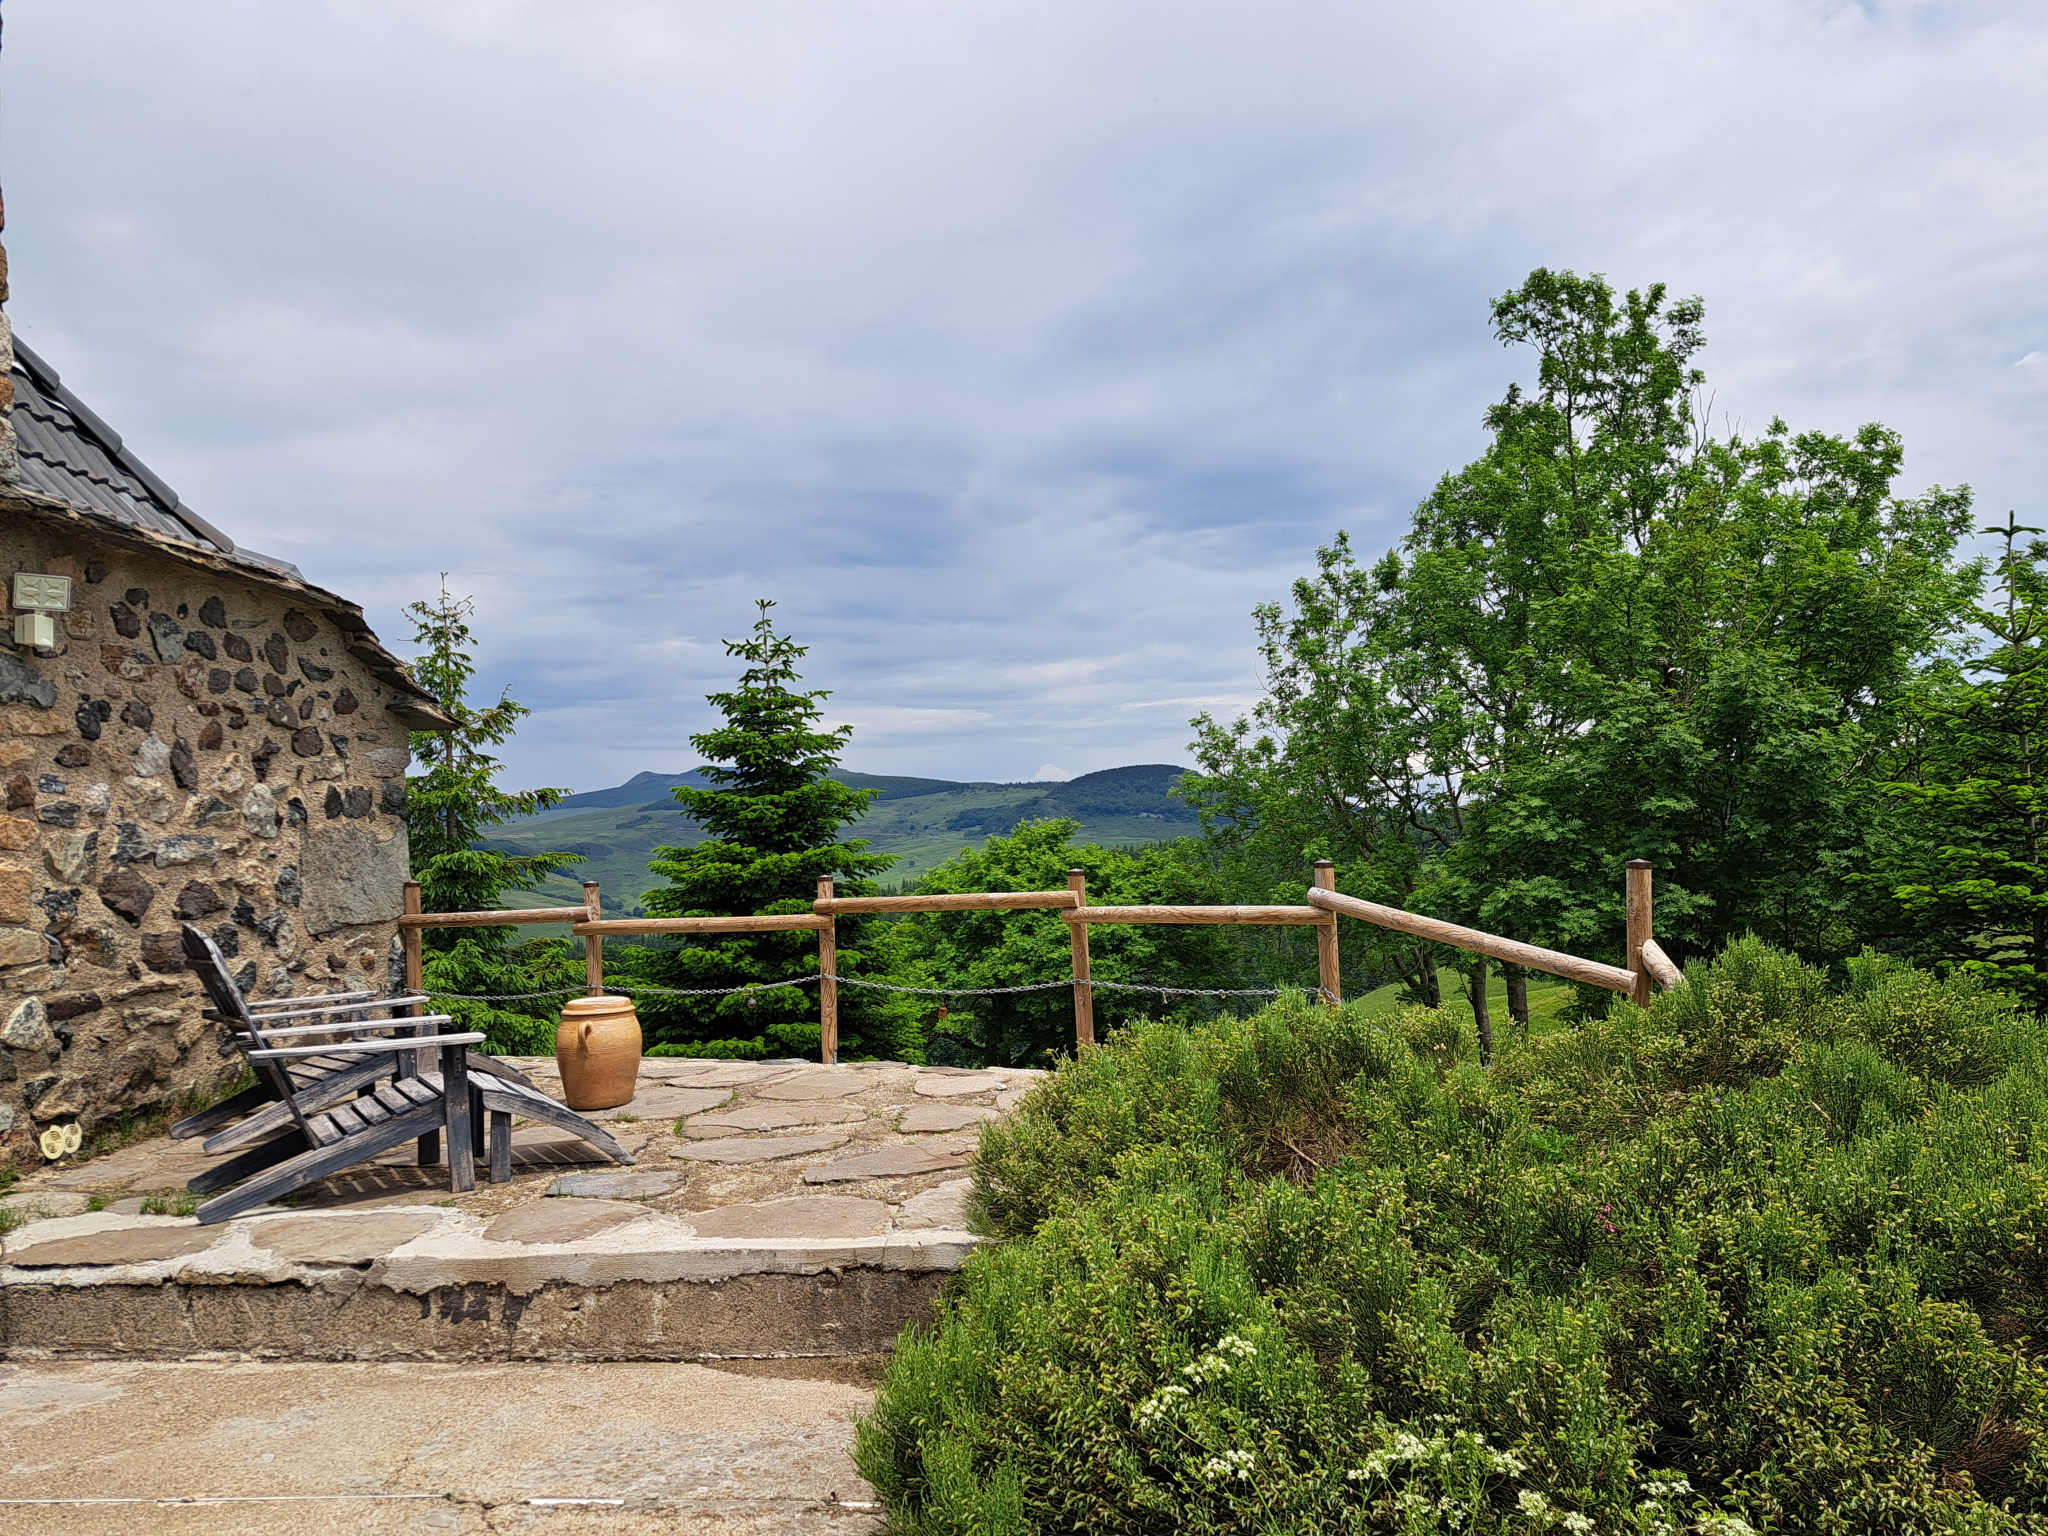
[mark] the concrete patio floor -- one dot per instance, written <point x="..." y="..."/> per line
<point x="287" y="1447"/>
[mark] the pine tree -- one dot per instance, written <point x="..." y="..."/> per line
<point x="450" y="809"/>
<point x="1969" y="869"/>
<point x="773" y="825"/>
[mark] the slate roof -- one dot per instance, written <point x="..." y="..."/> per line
<point x="69" y="456"/>
<point x="69" y="453"/>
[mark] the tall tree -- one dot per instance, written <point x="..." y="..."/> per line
<point x="450" y="809"/>
<point x="1611" y="636"/>
<point x="1965" y="860"/>
<point x="773" y="820"/>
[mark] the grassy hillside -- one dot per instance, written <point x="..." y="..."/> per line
<point x="923" y="822"/>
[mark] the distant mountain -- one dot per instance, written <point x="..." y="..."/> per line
<point x="653" y="788"/>
<point x="922" y="822"/>
<point x="1113" y="793"/>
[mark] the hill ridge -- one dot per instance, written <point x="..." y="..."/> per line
<point x="921" y="821"/>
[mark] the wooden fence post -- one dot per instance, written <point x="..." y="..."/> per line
<point x="1639" y="927"/>
<point x="593" y="943"/>
<point x="409" y="946"/>
<point x="1327" y="973"/>
<point x="1084" y="994"/>
<point x="828" y="987"/>
<point x="409" y="941"/>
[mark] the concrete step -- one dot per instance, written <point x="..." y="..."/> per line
<point x="775" y="1210"/>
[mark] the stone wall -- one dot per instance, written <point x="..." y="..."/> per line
<point x="198" y="748"/>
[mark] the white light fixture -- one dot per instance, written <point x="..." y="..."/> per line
<point x="41" y="597"/>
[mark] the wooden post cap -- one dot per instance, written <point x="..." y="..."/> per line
<point x="1638" y="863"/>
<point x="1326" y="864"/>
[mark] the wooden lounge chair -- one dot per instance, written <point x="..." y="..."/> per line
<point x="356" y="1099"/>
<point x="257" y="1113"/>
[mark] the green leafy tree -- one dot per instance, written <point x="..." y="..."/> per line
<point x="772" y="824"/>
<point x="1006" y="949"/>
<point x="1611" y="636"/>
<point x="450" y="810"/>
<point x="1966" y="863"/>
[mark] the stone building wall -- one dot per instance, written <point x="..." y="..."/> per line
<point x="201" y="748"/>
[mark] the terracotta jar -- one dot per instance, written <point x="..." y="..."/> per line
<point x="598" y="1050"/>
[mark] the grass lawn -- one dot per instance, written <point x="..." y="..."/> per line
<point x="1547" y="999"/>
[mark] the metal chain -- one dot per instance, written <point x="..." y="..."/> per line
<point x="509" y="997"/>
<point x="884" y="986"/>
<point x="521" y="997"/>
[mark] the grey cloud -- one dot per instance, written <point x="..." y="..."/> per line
<point x="1018" y="349"/>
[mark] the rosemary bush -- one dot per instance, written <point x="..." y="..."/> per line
<point x="1764" y="1257"/>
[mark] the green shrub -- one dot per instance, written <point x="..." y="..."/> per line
<point x="720" y="1050"/>
<point x="1763" y="1256"/>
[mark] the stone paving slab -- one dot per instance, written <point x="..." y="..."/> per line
<point x="748" y="1149"/>
<point x="730" y="1160"/>
<point x="664" y="1101"/>
<point x="558" y="1221"/>
<point x="616" y="1186"/>
<point x="779" y="1117"/>
<point x="934" y="1086"/>
<point x="924" y="1118"/>
<point x="822" y="1084"/>
<point x="943" y="1205"/>
<point x="811" y="1216"/>
<point x="889" y="1162"/>
<point x="349" y="1240"/>
<point x="124" y="1245"/>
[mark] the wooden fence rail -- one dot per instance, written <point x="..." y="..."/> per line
<point x="1536" y="958"/>
<point x="951" y="901"/>
<point x="771" y="922"/>
<point x="1647" y="960"/>
<point x="1282" y="916"/>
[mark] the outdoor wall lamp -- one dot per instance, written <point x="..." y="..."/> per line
<point x="40" y="598"/>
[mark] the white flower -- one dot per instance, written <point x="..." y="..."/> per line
<point x="1236" y="1464"/>
<point x="1231" y="1344"/>
<point x="1507" y="1462"/>
<point x="1576" y="1523"/>
<point x="1532" y="1502"/>
<point x="1723" y="1525"/>
<point x="1154" y="1407"/>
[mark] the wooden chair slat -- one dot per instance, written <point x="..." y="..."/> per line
<point x="278" y="1053"/>
<point x="344" y="1084"/>
<point x="312" y="1166"/>
<point x="394" y="1100"/>
<point x="337" y="1027"/>
<point x="370" y="1005"/>
<point x="264" y="1004"/>
<point x="424" y="1089"/>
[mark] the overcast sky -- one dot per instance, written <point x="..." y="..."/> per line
<point x="1017" y="348"/>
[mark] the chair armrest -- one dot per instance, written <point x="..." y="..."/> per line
<point x="365" y="1047"/>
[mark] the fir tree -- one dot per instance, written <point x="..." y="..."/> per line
<point x="772" y="826"/>
<point x="450" y="808"/>
<point x="1969" y="869"/>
